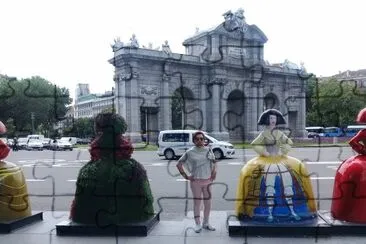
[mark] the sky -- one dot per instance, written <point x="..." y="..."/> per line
<point x="69" y="41"/>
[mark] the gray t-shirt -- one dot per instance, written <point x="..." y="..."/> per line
<point x="198" y="161"/>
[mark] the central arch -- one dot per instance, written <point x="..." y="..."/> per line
<point x="182" y="107"/>
<point x="234" y="116"/>
<point x="271" y="101"/>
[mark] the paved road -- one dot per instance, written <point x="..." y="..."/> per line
<point x="51" y="177"/>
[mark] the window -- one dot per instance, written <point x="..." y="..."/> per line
<point x="176" y="137"/>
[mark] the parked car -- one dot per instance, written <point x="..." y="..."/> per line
<point x="315" y="131"/>
<point x="46" y="143"/>
<point x="34" y="144"/>
<point x="352" y="130"/>
<point x="83" y="140"/>
<point x="71" y="140"/>
<point x="22" y="143"/>
<point x="60" y="145"/>
<point x="333" y="132"/>
<point x="173" y="143"/>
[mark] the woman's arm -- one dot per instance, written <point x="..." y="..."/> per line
<point x="181" y="170"/>
<point x="213" y="171"/>
<point x="180" y="167"/>
<point x="259" y="146"/>
<point x="285" y="143"/>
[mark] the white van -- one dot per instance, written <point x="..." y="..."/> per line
<point x="173" y="143"/>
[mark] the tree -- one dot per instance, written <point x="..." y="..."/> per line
<point x="311" y="84"/>
<point x="82" y="128"/>
<point x="20" y="98"/>
<point x="335" y="103"/>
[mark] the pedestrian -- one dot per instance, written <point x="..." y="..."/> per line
<point x="200" y="162"/>
<point x="15" y="144"/>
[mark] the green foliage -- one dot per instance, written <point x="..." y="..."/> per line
<point x="82" y="128"/>
<point x="20" y="98"/>
<point x="334" y="103"/>
<point x="10" y="127"/>
<point x="310" y="92"/>
<point x="123" y="179"/>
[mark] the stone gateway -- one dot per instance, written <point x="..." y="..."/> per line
<point x="221" y="85"/>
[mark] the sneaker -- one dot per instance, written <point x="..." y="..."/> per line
<point x="208" y="227"/>
<point x="197" y="228"/>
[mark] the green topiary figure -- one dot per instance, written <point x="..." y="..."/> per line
<point x="112" y="188"/>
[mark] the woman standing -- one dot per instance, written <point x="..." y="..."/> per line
<point x="201" y="164"/>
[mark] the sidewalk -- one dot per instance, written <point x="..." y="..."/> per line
<point x="165" y="232"/>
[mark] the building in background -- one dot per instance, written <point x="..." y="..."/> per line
<point x="89" y="105"/>
<point x="358" y="76"/>
<point x="82" y="89"/>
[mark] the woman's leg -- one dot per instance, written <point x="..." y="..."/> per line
<point x="206" y="201"/>
<point x="287" y="185"/>
<point x="270" y="179"/>
<point x="197" y="194"/>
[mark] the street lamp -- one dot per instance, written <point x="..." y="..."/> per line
<point x="32" y="118"/>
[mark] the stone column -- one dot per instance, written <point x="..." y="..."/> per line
<point x="284" y="107"/>
<point x="216" y="115"/>
<point x="252" y="102"/>
<point x="215" y="44"/>
<point x="302" y="116"/>
<point x="134" y="120"/>
<point x="167" y="125"/>
<point x="223" y="110"/>
<point x="260" y="101"/>
<point x="203" y="105"/>
<point x="120" y="97"/>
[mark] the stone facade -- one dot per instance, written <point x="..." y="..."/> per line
<point x="88" y="106"/>
<point x="223" y="79"/>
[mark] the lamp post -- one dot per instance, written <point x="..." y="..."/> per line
<point x="32" y="119"/>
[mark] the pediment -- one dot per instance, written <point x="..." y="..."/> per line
<point x="252" y="33"/>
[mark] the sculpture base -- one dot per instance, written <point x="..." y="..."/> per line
<point x="69" y="228"/>
<point x="339" y="227"/>
<point x="311" y="227"/>
<point x="9" y="226"/>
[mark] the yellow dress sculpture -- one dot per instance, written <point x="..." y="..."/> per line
<point x="14" y="202"/>
<point x="274" y="187"/>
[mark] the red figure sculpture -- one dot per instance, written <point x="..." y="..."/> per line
<point x="349" y="190"/>
<point x="4" y="149"/>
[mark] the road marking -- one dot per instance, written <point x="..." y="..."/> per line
<point x="65" y="165"/>
<point x="34" y="180"/>
<point x="79" y="161"/>
<point x="73" y="180"/>
<point x="46" y="160"/>
<point x="332" y="167"/>
<point x="158" y="164"/>
<point x="322" y="178"/>
<point x="235" y="163"/>
<point x="28" y="165"/>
